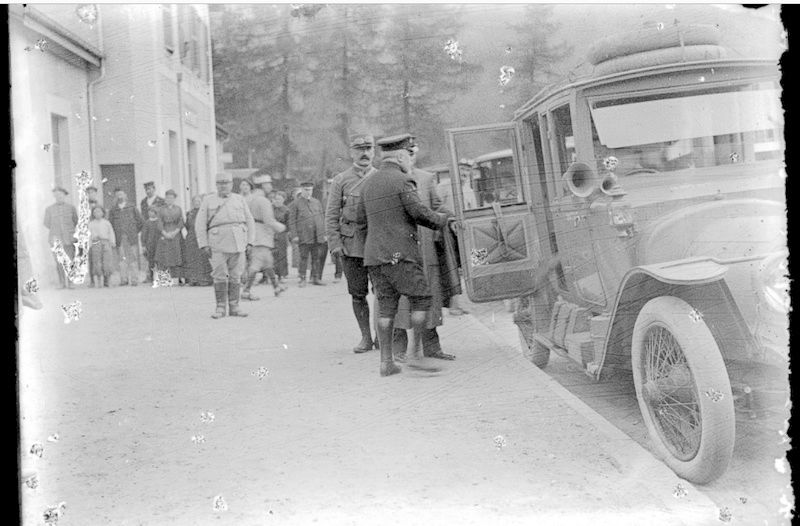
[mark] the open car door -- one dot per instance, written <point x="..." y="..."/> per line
<point x="498" y="241"/>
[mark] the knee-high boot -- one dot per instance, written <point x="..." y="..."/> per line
<point x="233" y="298"/>
<point x="276" y="286"/>
<point x="246" y="295"/>
<point x="221" y="294"/>
<point x="414" y="358"/>
<point x="388" y="367"/>
<point x="361" y="311"/>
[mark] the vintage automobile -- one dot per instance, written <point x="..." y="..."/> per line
<point x="638" y="215"/>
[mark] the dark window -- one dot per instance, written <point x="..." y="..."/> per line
<point x="168" y="19"/>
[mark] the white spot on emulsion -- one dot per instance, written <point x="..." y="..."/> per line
<point x="72" y="311"/>
<point x="220" y="504"/>
<point x="506" y="74"/>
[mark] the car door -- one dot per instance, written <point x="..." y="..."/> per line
<point x="498" y="241"/>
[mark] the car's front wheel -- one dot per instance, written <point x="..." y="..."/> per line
<point x="683" y="389"/>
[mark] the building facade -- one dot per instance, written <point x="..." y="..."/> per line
<point x="126" y="94"/>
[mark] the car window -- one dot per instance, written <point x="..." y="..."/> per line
<point x="701" y="128"/>
<point x="488" y="170"/>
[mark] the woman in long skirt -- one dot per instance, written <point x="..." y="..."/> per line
<point x="168" y="250"/>
<point x="280" y="252"/>
<point x="197" y="268"/>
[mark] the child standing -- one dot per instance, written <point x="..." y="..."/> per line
<point x="151" y="233"/>
<point x="100" y="252"/>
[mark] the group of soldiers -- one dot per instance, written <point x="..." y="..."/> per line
<point x="386" y="225"/>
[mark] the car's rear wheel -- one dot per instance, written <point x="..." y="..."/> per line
<point x="683" y="389"/>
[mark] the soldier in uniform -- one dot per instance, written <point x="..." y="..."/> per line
<point x="225" y="232"/>
<point x="260" y="259"/>
<point x="346" y="236"/>
<point x="430" y="250"/>
<point x="391" y="208"/>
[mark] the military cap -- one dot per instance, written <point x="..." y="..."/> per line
<point x="361" y="140"/>
<point x="61" y="189"/>
<point x="465" y="162"/>
<point x="224" y="177"/>
<point x="171" y="192"/>
<point x="149" y="183"/>
<point x="396" y="142"/>
<point x="307" y="184"/>
<point x="91" y="188"/>
<point x="261" y="179"/>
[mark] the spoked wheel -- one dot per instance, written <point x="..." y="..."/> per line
<point x="683" y="389"/>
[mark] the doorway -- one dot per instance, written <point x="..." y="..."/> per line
<point x="120" y="176"/>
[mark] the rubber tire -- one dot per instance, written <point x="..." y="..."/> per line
<point x="536" y="353"/>
<point x="650" y="38"/>
<point x="672" y="55"/>
<point x="708" y="369"/>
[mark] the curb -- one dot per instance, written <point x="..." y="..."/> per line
<point x="634" y="460"/>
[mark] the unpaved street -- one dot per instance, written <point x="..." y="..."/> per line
<point x="316" y="436"/>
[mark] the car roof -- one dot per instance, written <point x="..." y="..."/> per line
<point x="437" y="168"/>
<point x="574" y="83"/>
<point x="491" y="156"/>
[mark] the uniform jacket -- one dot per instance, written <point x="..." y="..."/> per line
<point x="341" y="225"/>
<point x="225" y="224"/>
<point x="392" y="209"/>
<point x="266" y="224"/>
<point x="126" y="222"/>
<point x="157" y="203"/>
<point x="61" y="220"/>
<point x="432" y="252"/>
<point x="307" y="220"/>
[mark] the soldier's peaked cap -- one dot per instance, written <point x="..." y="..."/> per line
<point x="396" y="142"/>
<point x="361" y="140"/>
<point x="307" y="184"/>
<point x="261" y="179"/>
<point x="149" y="183"/>
<point x="224" y="177"/>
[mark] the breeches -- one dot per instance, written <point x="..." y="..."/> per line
<point x="227" y="265"/>
<point x="260" y="259"/>
<point x="392" y="281"/>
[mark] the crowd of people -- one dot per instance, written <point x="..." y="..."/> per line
<point x="388" y="228"/>
<point x="159" y="237"/>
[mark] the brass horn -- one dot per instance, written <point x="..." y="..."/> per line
<point x="582" y="180"/>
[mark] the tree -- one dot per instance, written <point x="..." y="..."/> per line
<point x="537" y="56"/>
<point x="413" y="79"/>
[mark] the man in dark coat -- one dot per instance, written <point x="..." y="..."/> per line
<point x="430" y="246"/>
<point x="60" y="219"/>
<point x="346" y="236"/>
<point x="307" y="227"/>
<point x="151" y="199"/>
<point x="127" y="224"/>
<point x="391" y="208"/>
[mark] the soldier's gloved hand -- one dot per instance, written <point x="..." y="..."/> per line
<point x="248" y="249"/>
<point x="337" y="251"/>
<point x="206" y="252"/>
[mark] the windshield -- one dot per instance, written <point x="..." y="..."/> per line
<point x="674" y="131"/>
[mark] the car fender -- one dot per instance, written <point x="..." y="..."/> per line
<point x="698" y="281"/>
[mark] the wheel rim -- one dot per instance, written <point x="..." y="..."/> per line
<point x="670" y="393"/>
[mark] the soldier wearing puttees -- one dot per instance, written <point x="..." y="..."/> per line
<point x="266" y="226"/>
<point x="225" y="231"/>
<point x="391" y="207"/>
<point x="346" y="235"/>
